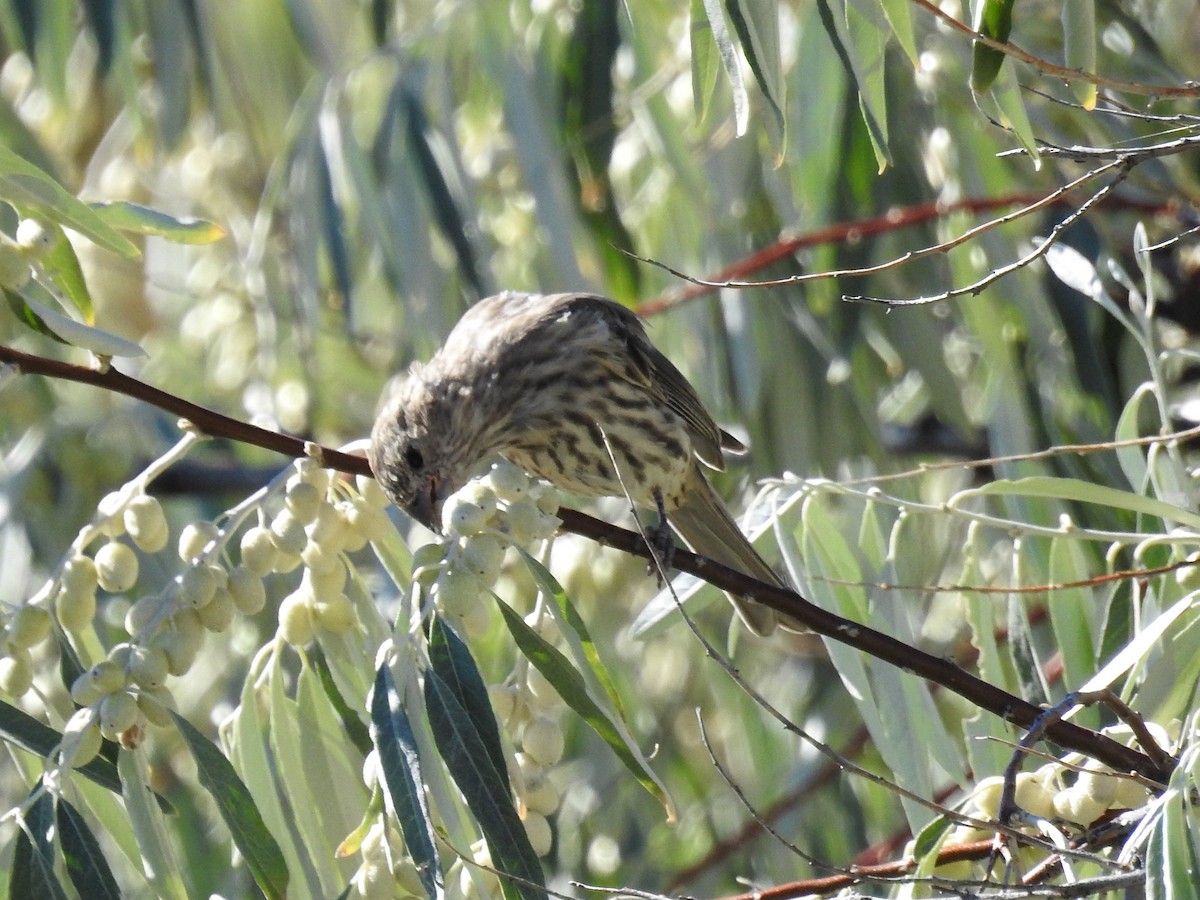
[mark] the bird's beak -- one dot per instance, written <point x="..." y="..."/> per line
<point x="426" y="507"/>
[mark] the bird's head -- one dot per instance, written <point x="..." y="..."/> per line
<point x="423" y="447"/>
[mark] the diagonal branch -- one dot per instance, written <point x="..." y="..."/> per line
<point x="882" y="646"/>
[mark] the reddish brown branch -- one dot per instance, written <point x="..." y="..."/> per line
<point x="939" y="671"/>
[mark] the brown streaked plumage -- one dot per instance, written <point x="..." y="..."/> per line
<point x="562" y="385"/>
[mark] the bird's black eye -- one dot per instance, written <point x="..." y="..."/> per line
<point x="413" y="457"/>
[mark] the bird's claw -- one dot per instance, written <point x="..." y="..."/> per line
<point x="661" y="541"/>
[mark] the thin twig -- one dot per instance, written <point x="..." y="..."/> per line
<point x="1041" y="249"/>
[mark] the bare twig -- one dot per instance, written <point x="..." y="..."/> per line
<point x="1122" y="168"/>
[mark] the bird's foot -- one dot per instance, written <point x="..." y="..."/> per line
<point x="661" y="541"/>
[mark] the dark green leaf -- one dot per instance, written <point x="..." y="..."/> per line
<point x="485" y="791"/>
<point x="705" y="60"/>
<point x="28" y="20"/>
<point x="829" y="21"/>
<point x="570" y="615"/>
<point x="447" y="194"/>
<point x="238" y="810"/>
<point x="101" y="16"/>
<point x="20" y="728"/>
<point x="27" y="316"/>
<point x="572" y="688"/>
<point x="996" y="23"/>
<point x="86" y="865"/>
<point x="400" y="764"/>
<point x="930" y="836"/>
<point x="333" y="224"/>
<point x="589" y="131"/>
<point x="356" y="731"/>
<point x="757" y="27"/>
<point x="451" y="659"/>
<point x="32" y="875"/>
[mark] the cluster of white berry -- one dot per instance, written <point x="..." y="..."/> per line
<point x="479" y="523"/>
<point x="1074" y="790"/>
<point x="320" y="519"/>
<point x="528" y="708"/>
<point x="386" y="870"/>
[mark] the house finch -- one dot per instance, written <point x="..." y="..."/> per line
<point x="564" y="386"/>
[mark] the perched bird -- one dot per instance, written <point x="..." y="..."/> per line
<point x="563" y="385"/>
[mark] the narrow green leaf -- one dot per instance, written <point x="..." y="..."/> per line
<point x="27" y="317"/>
<point x="900" y="17"/>
<point x="757" y="25"/>
<point x="356" y="731"/>
<point x="400" y="764"/>
<point x="250" y="834"/>
<point x="573" y="625"/>
<point x="102" y="16"/>
<point x="1011" y="112"/>
<point x="875" y="130"/>
<point x="1079" y="46"/>
<point x="452" y="661"/>
<point x="154" y="838"/>
<point x="729" y="61"/>
<point x="705" y="61"/>
<point x="137" y="219"/>
<point x="995" y="22"/>
<point x="867" y="32"/>
<point x="62" y="265"/>
<point x="32" y="875"/>
<point x="1084" y="492"/>
<point x="20" y="728"/>
<point x="930" y="837"/>
<point x="485" y="791"/>
<point x="571" y="687"/>
<point x="448" y="197"/>
<point x="86" y="866"/>
<point x="36" y="194"/>
<point x="63" y="328"/>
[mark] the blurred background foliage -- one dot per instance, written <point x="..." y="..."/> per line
<point x="378" y="166"/>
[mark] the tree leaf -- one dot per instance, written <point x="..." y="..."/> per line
<point x="250" y="834"/>
<point x="20" y="728"/>
<point x="575" y="631"/>
<point x="450" y="658"/>
<point x="62" y="266"/>
<point x="34" y="193"/>
<point x="757" y="25"/>
<point x="729" y="61"/>
<point x="995" y="21"/>
<point x="137" y="219"/>
<point x="1083" y="492"/>
<point x="400" y="765"/>
<point x="86" y="866"/>
<point x="49" y="321"/>
<point x="705" y="61"/>
<point x="485" y="791"/>
<point x="32" y="875"/>
<point x="571" y="687"/>
<point x="1079" y="46"/>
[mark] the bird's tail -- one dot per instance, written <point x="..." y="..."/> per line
<point x="708" y="529"/>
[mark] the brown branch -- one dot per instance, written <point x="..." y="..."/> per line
<point x="935" y="669"/>
<point x="733" y="275"/>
